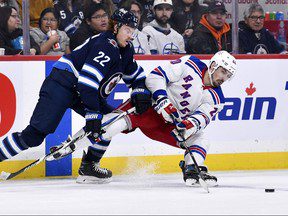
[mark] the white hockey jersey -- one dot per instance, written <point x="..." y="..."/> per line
<point x="141" y="45"/>
<point x="160" y="43"/>
<point x="181" y="81"/>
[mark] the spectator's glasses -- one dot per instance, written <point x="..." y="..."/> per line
<point x="255" y="18"/>
<point x="98" y="17"/>
<point x="49" y="20"/>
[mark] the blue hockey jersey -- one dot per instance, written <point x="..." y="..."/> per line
<point x="99" y="64"/>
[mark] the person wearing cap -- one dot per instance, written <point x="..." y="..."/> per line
<point x="161" y="37"/>
<point x="253" y="37"/>
<point x="213" y="33"/>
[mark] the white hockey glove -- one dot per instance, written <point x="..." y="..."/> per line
<point x="165" y="108"/>
<point x="185" y="129"/>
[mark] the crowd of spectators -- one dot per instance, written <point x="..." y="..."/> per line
<point x="164" y="26"/>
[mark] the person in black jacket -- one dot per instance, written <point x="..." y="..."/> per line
<point x="186" y="16"/>
<point x="11" y="36"/>
<point x="95" y="22"/>
<point x="253" y="37"/>
<point x="213" y="33"/>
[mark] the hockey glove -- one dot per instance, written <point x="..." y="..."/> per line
<point x="185" y="129"/>
<point x="93" y="123"/>
<point x="166" y="109"/>
<point x="141" y="100"/>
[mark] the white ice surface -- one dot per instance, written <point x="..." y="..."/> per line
<point x="238" y="193"/>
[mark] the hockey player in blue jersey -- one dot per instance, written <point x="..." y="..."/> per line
<point x="82" y="81"/>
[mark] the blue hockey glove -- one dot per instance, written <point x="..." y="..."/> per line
<point x="141" y="99"/>
<point x="166" y="109"/>
<point x="93" y="123"/>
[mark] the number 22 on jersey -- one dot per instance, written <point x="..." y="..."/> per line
<point x="101" y="58"/>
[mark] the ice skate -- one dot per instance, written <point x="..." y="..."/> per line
<point x="90" y="172"/>
<point x="191" y="178"/>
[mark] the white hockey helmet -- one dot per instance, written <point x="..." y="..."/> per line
<point x="225" y="60"/>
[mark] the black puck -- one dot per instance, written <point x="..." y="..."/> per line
<point x="269" y="190"/>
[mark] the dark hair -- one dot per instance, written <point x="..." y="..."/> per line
<point x="180" y="3"/>
<point x="93" y="7"/>
<point x="128" y="3"/>
<point x="108" y="4"/>
<point x="5" y="12"/>
<point x="48" y="10"/>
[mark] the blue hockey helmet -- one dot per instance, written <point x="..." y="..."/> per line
<point x="124" y="17"/>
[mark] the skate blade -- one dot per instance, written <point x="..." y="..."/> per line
<point x="92" y="180"/>
<point x="194" y="183"/>
<point x="191" y="183"/>
<point x="211" y="183"/>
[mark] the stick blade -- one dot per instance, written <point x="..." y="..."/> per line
<point x="4" y="175"/>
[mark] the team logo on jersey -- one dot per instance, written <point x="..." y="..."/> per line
<point x="110" y="84"/>
<point x="171" y="48"/>
<point x="113" y="42"/>
<point x="261" y="49"/>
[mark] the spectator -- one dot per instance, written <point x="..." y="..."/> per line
<point x="108" y="4"/>
<point x="70" y="14"/>
<point x="12" y="3"/>
<point x="57" y="44"/>
<point x="186" y="16"/>
<point x="35" y="9"/>
<point x="161" y="37"/>
<point x="213" y="33"/>
<point x="96" y="21"/>
<point x="140" y="41"/>
<point x="253" y="37"/>
<point x="148" y="15"/>
<point x="11" y="36"/>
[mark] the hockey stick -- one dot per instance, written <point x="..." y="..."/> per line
<point x="200" y="174"/>
<point x="7" y="176"/>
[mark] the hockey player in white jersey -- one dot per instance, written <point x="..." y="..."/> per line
<point x="187" y="95"/>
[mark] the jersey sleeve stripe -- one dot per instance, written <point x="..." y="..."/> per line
<point x="88" y="82"/>
<point x="215" y="96"/>
<point x="139" y="74"/>
<point x="93" y="70"/>
<point x="138" y="71"/>
<point x="89" y="76"/>
<point x="207" y="120"/>
<point x="194" y="67"/>
<point x="159" y="71"/>
<point x="160" y="92"/>
<point x="66" y="62"/>
<point x="70" y="28"/>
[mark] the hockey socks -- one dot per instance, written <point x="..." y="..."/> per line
<point x="11" y="146"/>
